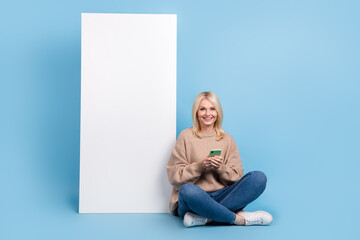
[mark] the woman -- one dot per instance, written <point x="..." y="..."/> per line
<point x="214" y="188"/>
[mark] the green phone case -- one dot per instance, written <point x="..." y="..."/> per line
<point x="215" y="152"/>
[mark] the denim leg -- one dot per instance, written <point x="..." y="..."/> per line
<point x="243" y="192"/>
<point x="195" y="199"/>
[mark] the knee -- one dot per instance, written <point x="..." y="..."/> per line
<point x="259" y="179"/>
<point x="188" y="190"/>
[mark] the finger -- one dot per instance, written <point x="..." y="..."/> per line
<point x="217" y="161"/>
<point x="215" y="164"/>
<point x="208" y="164"/>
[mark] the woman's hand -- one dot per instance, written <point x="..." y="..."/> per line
<point x="206" y="163"/>
<point x="216" y="162"/>
<point x="212" y="162"/>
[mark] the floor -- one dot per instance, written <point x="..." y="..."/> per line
<point x="68" y="224"/>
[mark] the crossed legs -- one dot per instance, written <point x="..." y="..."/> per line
<point x="220" y="205"/>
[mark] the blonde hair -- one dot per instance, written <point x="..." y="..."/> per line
<point x="218" y="123"/>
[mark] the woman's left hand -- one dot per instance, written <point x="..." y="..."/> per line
<point x="216" y="162"/>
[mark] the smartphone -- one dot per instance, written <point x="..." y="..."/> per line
<point x="215" y="152"/>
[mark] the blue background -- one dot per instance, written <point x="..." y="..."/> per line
<point x="286" y="73"/>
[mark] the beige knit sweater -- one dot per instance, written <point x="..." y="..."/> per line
<point x="184" y="165"/>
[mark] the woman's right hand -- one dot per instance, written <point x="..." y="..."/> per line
<point x="206" y="163"/>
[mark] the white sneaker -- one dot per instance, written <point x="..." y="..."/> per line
<point x="192" y="219"/>
<point x="256" y="218"/>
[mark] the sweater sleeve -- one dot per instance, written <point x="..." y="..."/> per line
<point x="232" y="169"/>
<point x="179" y="170"/>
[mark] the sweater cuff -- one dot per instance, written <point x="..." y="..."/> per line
<point x="197" y="167"/>
<point x="222" y="169"/>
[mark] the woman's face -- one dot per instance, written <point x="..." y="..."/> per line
<point x="207" y="113"/>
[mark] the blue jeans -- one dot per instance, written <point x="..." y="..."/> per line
<point x="220" y="205"/>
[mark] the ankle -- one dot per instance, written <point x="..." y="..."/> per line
<point x="239" y="220"/>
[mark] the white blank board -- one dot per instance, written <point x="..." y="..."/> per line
<point x="128" y="112"/>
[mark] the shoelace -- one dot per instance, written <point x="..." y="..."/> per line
<point x="257" y="219"/>
<point x="198" y="220"/>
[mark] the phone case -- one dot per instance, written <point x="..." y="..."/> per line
<point x="215" y="152"/>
